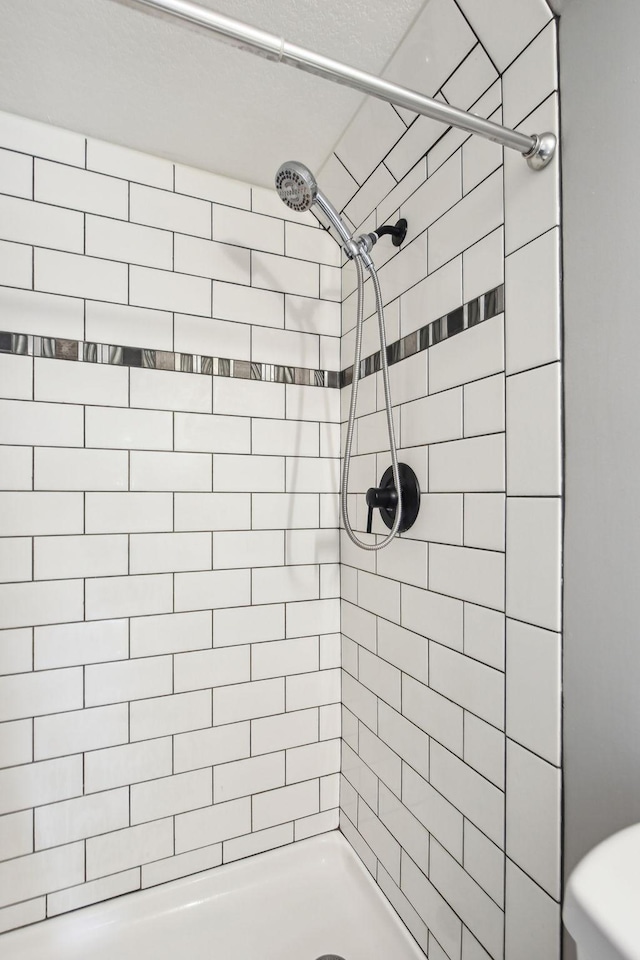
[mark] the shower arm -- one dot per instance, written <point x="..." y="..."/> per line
<point x="537" y="149"/>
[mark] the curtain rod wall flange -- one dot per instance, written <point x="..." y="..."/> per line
<point x="537" y="149"/>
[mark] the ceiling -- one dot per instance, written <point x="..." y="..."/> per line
<point x="114" y="73"/>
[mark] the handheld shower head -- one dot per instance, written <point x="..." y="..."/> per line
<point x="297" y="187"/>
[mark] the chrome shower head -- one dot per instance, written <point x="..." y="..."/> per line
<point x="296" y="186"/>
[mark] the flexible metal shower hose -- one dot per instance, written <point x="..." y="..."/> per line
<point x="352" y="408"/>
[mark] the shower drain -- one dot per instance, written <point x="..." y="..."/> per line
<point x="330" y="956"/>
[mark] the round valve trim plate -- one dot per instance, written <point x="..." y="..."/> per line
<point x="410" y="489"/>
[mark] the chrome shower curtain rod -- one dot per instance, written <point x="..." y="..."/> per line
<point x="537" y="149"/>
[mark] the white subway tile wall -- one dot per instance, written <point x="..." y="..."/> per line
<point x="169" y="688"/>
<point x="451" y="649"/>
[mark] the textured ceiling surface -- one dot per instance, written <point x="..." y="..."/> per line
<point x="112" y="72"/>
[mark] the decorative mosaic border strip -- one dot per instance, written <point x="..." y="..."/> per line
<point x="469" y="315"/>
<point x="60" y="349"/>
<point x="484" y="307"/>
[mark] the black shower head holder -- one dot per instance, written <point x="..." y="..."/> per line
<point x="398" y="232"/>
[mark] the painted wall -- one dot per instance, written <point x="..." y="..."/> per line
<point x="169" y="695"/>
<point x="451" y="637"/>
<point x="600" y="78"/>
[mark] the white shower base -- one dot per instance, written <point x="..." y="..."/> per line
<point x="298" y="903"/>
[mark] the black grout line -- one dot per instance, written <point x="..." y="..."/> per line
<point x="528" y="243"/>
<point x="397" y="112"/>
<point x="506" y="570"/>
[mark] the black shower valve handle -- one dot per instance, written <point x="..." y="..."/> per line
<point x="380" y="498"/>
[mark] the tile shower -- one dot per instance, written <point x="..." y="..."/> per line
<point x="173" y="359"/>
